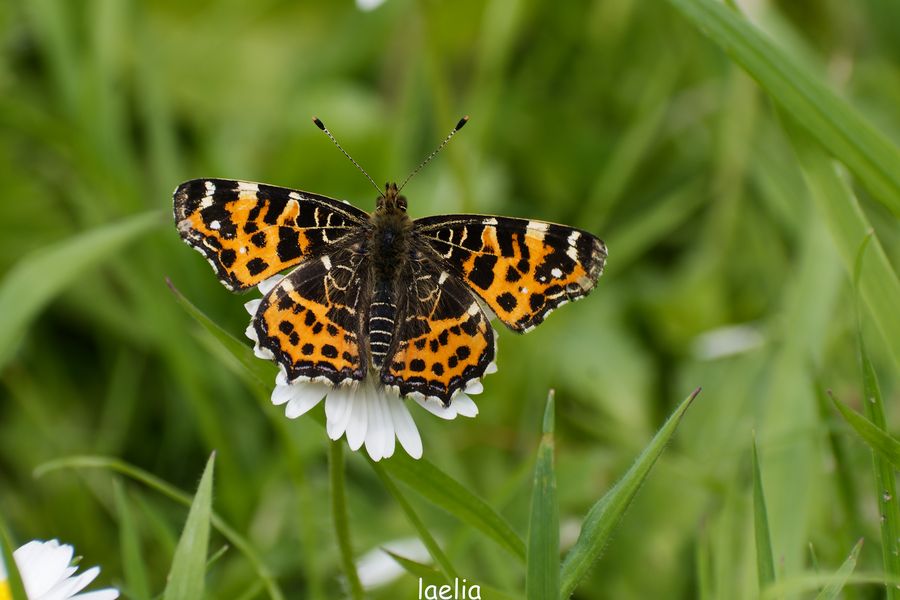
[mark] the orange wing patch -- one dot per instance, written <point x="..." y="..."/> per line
<point x="249" y="232"/>
<point x="311" y="321"/>
<point x="522" y="269"/>
<point x="442" y="343"/>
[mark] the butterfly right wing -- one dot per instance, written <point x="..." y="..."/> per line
<point x="442" y="339"/>
<point x="521" y="269"/>
<point x="251" y="231"/>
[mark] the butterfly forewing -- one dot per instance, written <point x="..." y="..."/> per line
<point x="521" y="269"/>
<point x="249" y="232"/>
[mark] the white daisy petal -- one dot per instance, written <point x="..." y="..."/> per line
<point x="334" y="404"/>
<point x="304" y="397"/>
<point x="47" y="574"/>
<point x="281" y="394"/>
<point x="335" y="427"/>
<point x="373" y="432"/>
<point x="474" y="387"/>
<point x="491" y="368"/>
<point x="465" y="406"/>
<point x="42" y="565"/>
<point x="380" y="427"/>
<point x="389" y="433"/>
<point x="265" y="286"/>
<point x="359" y="418"/>
<point x="105" y="594"/>
<point x="437" y="408"/>
<point x="73" y="585"/>
<point x="252" y="306"/>
<point x="405" y="427"/>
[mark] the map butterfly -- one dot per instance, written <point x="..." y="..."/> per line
<point x="405" y="300"/>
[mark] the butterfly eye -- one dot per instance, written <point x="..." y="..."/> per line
<point x="401" y="202"/>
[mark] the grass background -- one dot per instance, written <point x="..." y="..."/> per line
<point x="720" y="207"/>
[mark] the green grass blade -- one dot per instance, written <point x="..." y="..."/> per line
<point x="13" y="579"/>
<point x="765" y="564"/>
<point x="878" y="285"/>
<point x="881" y="442"/>
<point x="831" y="121"/>
<point x="603" y="517"/>
<point x="262" y="371"/>
<point x="833" y="589"/>
<point x="885" y="483"/>
<point x="445" y="492"/>
<point x="426" y="573"/>
<point x="797" y="585"/>
<point x="340" y="518"/>
<point x="155" y="483"/>
<point x="133" y="563"/>
<point x="187" y="575"/>
<point x="37" y="279"/>
<point x="440" y="558"/>
<point x="542" y="564"/>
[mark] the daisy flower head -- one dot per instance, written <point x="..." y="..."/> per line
<point x="366" y="412"/>
<point x="48" y="574"/>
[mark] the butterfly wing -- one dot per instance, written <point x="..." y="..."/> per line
<point x="442" y="339"/>
<point x="249" y="232"/>
<point x="521" y="269"/>
<point x="313" y="320"/>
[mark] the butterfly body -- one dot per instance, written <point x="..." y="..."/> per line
<point x="378" y="293"/>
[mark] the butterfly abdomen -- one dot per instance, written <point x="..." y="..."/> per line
<point x="381" y="321"/>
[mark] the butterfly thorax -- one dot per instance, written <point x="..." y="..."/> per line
<point x="389" y="246"/>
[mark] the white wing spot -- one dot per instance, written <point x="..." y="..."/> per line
<point x="556" y="272"/>
<point x="243" y="250"/>
<point x="327" y="262"/>
<point x="491" y="221"/>
<point x="210" y="187"/>
<point x="215" y="225"/>
<point x="443" y="277"/>
<point x="246" y="186"/>
<point x="473" y="310"/>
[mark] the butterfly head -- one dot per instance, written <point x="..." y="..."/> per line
<point x="391" y="201"/>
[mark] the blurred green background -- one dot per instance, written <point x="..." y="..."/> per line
<point x="615" y="116"/>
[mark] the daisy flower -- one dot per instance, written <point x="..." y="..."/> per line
<point x="367" y="412"/>
<point x="47" y="574"/>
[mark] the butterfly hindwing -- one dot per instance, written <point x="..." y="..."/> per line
<point x="442" y="339"/>
<point x="522" y="269"/>
<point x="249" y="232"/>
<point x="313" y="319"/>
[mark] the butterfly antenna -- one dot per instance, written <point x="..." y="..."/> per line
<point x="428" y="158"/>
<point x="321" y="126"/>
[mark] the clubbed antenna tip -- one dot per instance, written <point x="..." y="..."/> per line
<point x="461" y="123"/>
<point x="321" y="126"/>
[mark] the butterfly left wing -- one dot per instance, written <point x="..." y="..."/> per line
<point x="442" y="339"/>
<point x="313" y="321"/>
<point x="251" y="231"/>
<point x="522" y="269"/>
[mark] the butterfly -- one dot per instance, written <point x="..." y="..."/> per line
<point x="380" y="294"/>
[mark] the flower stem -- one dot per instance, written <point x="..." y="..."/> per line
<point x="339" y="514"/>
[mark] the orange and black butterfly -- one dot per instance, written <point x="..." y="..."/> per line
<point x="407" y="301"/>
